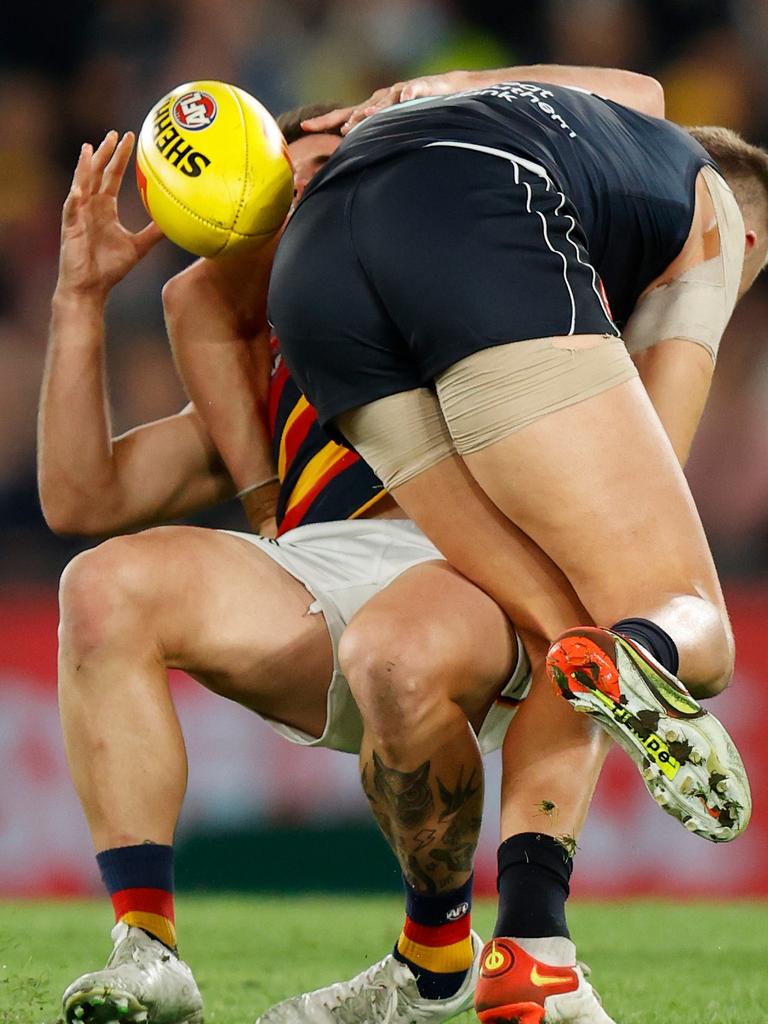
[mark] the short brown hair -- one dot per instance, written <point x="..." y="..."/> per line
<point x="744" y="166"/>
<point x="289" y="123"/>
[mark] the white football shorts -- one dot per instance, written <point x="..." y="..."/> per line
<point x="342" y="565"/>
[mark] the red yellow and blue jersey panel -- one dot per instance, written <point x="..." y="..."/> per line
<point x="320" y="481"/>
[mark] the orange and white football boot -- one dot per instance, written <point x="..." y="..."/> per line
<point x="515" y="988"/>
<point x="688" y="761"/>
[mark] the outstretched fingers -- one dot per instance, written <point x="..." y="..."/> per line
<point x="360" y="114"/>
<point x="80" y="184"/>
<point x="329" y="122"/>
<point x="345" y="118"/>
<point x="114" y="170"/>
<point x="101" y="158"/>
<point x="81" y="177"/>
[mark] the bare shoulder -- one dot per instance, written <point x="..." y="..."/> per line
<point x="703" y="241"/>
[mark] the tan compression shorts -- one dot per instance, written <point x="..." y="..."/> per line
<point x="481" y="400"/>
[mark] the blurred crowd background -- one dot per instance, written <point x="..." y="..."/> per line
<point x="69" y="72"/>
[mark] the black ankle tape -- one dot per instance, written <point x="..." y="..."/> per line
<point x="653" y="638"/>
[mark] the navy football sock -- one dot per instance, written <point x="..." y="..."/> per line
<point x="436" y="940"/>
<point x="653" y="638"/>
<point x="534" y="883"/>
<point x="139" y="879"/>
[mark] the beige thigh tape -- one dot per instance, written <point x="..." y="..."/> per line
<point x="486" y="397"/>
<point x="697" y="305"/>
<point x="500" y="390"/>
<point x="399" y="436"/>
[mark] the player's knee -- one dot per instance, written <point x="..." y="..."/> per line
<point x="100" y="597"/>
<point x="717" y="670"/>
<point x="708" y="668"/>
<point x="402" y="683"/>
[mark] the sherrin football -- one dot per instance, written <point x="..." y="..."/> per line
<point x="213" y="168"/>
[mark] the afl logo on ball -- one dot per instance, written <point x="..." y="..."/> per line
<point x="194" y="111"/>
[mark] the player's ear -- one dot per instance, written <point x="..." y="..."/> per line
<point x="750" y="241"/>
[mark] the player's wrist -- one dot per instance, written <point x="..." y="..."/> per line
<point x="260" y="502"/>
<point x="259" y="487"/>
<point x="79" y="299"/>
<point x="469" y="79"/>
<point x="268" y="527"/>
<point x="454" y="81"/>
<point x="477" y="79"/>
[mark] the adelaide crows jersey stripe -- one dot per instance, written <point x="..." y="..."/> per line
<point x="320" y="481"/>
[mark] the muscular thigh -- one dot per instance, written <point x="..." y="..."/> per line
<point x="448" y="632"/>
<point x="223" y="611"/>
<point x="597" y="486"/>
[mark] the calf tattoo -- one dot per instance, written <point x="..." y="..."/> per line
<point x="431" y="825"/>
<point x="379" y="811"/>
<point x="407" y="794"/>
<point x="454" y="800"/>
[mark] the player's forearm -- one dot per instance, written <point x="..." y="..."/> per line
<point x="641" y="92"/>
<point x="91" y="483"/>
<point x="677" y="374"/>
<point x="74" y="457"/>
<point x="225" y="376"/>
<point x="166" y="470"/>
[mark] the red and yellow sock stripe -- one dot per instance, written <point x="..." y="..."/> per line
<point x="150" y="909"/>
<point x="443" y="949"/>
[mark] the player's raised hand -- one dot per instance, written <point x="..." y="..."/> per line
<point x="97" y="251"/>
<point x="345" y="118"/>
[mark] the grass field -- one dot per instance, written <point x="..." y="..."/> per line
<point x="653" y="963"/>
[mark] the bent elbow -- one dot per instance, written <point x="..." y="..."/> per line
<point x="172" y="295"/>
<point x="61" y="521"/>
<point x="179" y="290"/>
<point x="71" y="518"/>
<point x="55" y="514"/>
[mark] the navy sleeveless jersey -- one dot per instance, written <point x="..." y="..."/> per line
<point x="630" y="177"/>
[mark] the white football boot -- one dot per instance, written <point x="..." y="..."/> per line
<point x="143" y="981"/>
<point x="385" y="993"/>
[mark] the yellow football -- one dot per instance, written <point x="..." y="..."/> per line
<point x="213" y="168"/>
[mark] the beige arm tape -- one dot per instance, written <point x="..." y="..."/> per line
<point x="697" y="305"/>
<point x="255" y="487"/>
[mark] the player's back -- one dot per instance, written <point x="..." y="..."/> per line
<point x="630" y="177"/>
